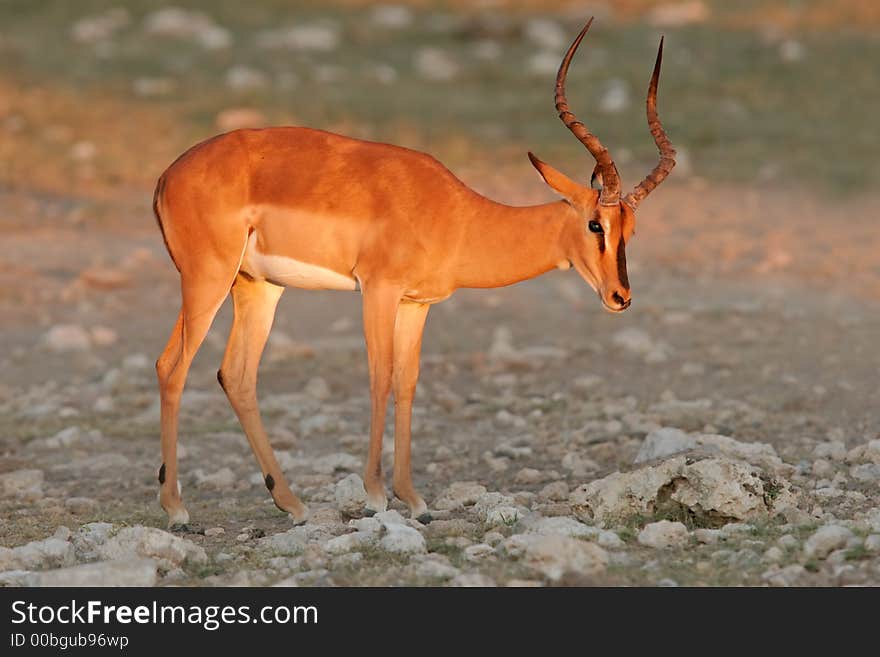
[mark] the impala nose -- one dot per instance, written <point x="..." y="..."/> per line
<point x="620" y="300"/>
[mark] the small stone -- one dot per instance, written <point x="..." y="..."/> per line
<point x="459" y="495"/>
<point x="610" y="540"/>
<point x="435" y="64"/>
<point x="529" y="476"/>
<point x="478" y="551"/>
<point x="401" y="539"/>
<point x="773" y="555"/>
<point x="244" y="78"/>
<point x="68" y="337"/>
<point x="707" y="536"/>
<point x="168" y="550"/>
<point x="825" y="540"/>
<point x="832" y="449"/>
<point x="394" y="17"/>
<point x="129" y="572"/>
<point x="866" y="472"/>
<point x="22" y="484"/>
<point x="317" y="388"/>
<point x="615" y="97"/>
<point x="348" y="542"/>
<point x="664" y="534"/>
<point x="436" y="569"/>
<point x="350" y="495"/>
<point x="214" y="531"/>
<point x="103" y="336"/>
<point x="872" y="543"/>
<point x="223" y="479"/>
<point x="556" y="491"/>
<point x="787" y="542"/>
<point x="554" y="555"/>
<point x="38" y="555"/>
<point x="321" y="36"/>
<point x="235" y="118"/>
<point x="472" y="580"/>
<point x="787" y="576"/>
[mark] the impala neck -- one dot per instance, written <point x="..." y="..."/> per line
<point x="503" y="245"/>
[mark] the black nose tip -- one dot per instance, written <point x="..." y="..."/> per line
<point x="620" y="301"/>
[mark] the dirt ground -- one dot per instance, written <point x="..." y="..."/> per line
<point x="756" y="312"/>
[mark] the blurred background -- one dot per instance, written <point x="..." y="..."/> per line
<point x="755" y="267"/>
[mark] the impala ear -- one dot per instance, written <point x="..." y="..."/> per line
<point x="558" y="181"/>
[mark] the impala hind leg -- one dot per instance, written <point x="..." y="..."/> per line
<point x="408" y="329"/>
<point x="172" y="368"/>
<point x="380" y="310"/>
<point x="254" y="304"/>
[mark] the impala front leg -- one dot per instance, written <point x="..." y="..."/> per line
<point x="408" y="331"/>
<point x="380" y="310"/>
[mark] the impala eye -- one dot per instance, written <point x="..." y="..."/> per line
<point x="595" y="227"/>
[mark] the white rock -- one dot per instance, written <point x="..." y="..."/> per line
<point x="665" y="442"/>
<point x="556" y="491"/>
<point x="245" y="78"/>
<point x="324" y="36"/>
<point x="349" y="542"/>
<point x="478" y="551"/>
<point x="832" y="449"/>
<point x="22" y="484"/>
<point x="401" y="539"/>
<point x="664" y="534"/>
<point x="350" y="495"/>
<point x="391" y="16"/>
<point x="497" y="509"/>
<point x="472" y="580"/>
<point x="554" y="555"/>
<point x="787" y="576"/>
<point x="639" y="343"/>
<point x="773" y="554"/>
<point x="559" y="525"/>
<point x="100" y="27"/>
<point x="610" y="540"/>
<point x="366" y="524"/>
<point x="615" y="97"/>
<point x="390" y="517"/>
<point x="865" y="472"/>
<point x="38" y="555"/>
<point x="546" y="33"/>
<point x="714" y="489"/>
<point x="89" y="537"/>
<point x="872" y="543"/>
<point x="317" y="388"/>
<point x="679" y="14"/>
<point x="223" y="479"/>
<point x="543" y="63"/>
<point x="130" y="572"/>
<point x="168" y="550"/>
<point x="459" y="495"/>
<point x="436" y="569"/>
<point x="68" y="337"/>
<point x="330" y="463"/>
<point x="825" y="540"/>
<point x="791" y="51"/>
<point x="435" y="64"/>
<point x="178" y="23"/>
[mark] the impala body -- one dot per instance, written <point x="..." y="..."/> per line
<point x="255" y="211"/>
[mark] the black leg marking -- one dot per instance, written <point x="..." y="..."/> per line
<point x="162" y="474"/>
<point x="270" y="482"/>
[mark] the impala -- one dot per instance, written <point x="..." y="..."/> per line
<point x="255" y="211"/>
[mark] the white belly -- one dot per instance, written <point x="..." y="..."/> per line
<point x="292" y="273"/>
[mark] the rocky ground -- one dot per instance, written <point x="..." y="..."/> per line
<point x="721" y="432"/>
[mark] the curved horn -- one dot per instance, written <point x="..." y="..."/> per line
<point x="667" y="152"/>
<point x="610" y="194"/>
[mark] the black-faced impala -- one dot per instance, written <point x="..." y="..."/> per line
<point x="255" y="211"/>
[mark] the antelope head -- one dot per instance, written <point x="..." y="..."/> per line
<point x="602" y="223"/>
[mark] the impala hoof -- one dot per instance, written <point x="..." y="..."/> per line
<point x="368" y="512"/>
<point x="425" y="518"/>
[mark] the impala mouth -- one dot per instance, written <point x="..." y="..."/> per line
<point x="617" y="309"/>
